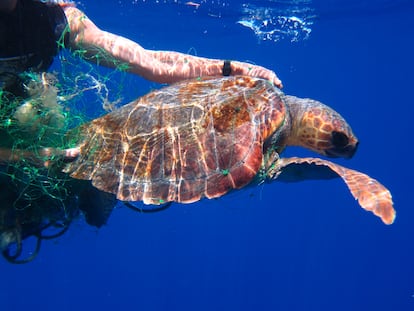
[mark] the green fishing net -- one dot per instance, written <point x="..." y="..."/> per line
<point x="36" y="112"/>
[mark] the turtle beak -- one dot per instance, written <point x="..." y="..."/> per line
<point x="344" y="152"/>
<point x="342" y="146"/>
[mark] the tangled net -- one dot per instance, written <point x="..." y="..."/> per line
<point x="36" y="110"/>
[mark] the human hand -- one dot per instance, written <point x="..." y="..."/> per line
<point x="50" y="155"/>
<point x="240" y="68"/>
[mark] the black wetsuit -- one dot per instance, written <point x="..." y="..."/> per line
<point x="30" y="37"/>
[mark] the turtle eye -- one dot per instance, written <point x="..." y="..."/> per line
<point x="339" y="139"/>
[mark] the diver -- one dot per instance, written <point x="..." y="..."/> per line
<point x="32" y="32"/>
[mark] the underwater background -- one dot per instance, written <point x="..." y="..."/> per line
<point x="298" y="246"/>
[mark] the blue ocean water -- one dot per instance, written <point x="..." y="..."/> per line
<point x="302" y="246"/>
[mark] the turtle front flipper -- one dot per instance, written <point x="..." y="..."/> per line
<point x="371" y="195"/>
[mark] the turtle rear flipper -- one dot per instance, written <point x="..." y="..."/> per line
<point x="371" y="195"/>
<point x="96" y="205"/>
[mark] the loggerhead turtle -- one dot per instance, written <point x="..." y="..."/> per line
<point x="203" y="138"/>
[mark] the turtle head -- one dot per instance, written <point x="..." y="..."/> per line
<point x="317" y="127"/>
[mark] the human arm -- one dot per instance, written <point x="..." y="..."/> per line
<point x="42" y="157"/>
<point x="160" y="66"/>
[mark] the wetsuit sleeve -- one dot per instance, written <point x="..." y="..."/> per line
<point x="59" y="25"/>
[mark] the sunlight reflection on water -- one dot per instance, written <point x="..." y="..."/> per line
<point x="270" y="20"/>
<point x="291" y="20"/>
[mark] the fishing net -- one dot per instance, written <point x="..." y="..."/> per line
<point x="36" y="111"/>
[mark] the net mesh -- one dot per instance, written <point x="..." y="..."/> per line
<point x="36" y="111"/>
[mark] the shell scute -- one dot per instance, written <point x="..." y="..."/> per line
<point x="187" y="141"/>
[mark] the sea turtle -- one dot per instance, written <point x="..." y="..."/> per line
<point x="205" y="137"/>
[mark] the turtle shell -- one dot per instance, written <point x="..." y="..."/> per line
<point x="183" y="142"/>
